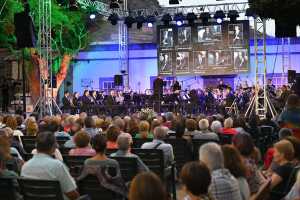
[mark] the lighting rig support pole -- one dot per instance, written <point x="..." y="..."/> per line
<point x="123" y="48"/>
<point x="286" y="58"/>
<point x="260" y="102"/>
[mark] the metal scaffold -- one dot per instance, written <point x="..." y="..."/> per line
<point x="286" y="58"/>
<point x="260" y="102"/>
<point x="46" y="104"/>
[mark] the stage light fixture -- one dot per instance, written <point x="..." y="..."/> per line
<point x="113" y="18"/>
<point x="233" y="15"/>
<point x="179" y="18"/>
<point x="191" y="17"/>
<point x="129" y="20"/>
<point x="114" y="4"/>
<point x="139" y="21"/>
<point x="250" y="13"/>
<point x="150" y="21"/>
<point x="219" y="16"/>
<point x="92" y="16"/>
<point x="205" y="16"/>
<point x="173" y="2"/>
<point x="166" y="19"/>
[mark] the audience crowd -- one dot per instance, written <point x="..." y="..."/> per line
<point x="237" y="161"/>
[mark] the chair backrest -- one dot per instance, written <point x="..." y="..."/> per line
<point x="128" y="167"/>
<point x="61" y="140"/>
<point x="7" y="188"/>
<point x="91" y="186"/>
<point x="32" y="189"/>
<point x="182" y="151"/>
<point x="110" y="151"/>
<point x="138" y="142"/>
<point x="153" y="158"/>
<point x="28" y="143"/>
<point x="197" y="143"/>
<point x="75" y="163"/>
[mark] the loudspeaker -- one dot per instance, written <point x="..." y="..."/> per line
<point x="285" y="29"/>
<point x="296" y="86"/>
<point x="118" y="80"/>
<point x="291" y="76"/>
<point x="24" y="30"/>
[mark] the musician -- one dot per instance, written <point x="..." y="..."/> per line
<point x="67" y="102"/>
<point x="271" y="88"/>
<point x="176" y="86"/>
<point x="120" y="98"/>
<point x="229" y="97"/>
<point x="158" y="85"/>
<point x="221" y="85"/>
<point x="85" y="99"/>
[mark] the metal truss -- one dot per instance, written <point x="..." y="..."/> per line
<point x="286" y="58"/>
<point x="260" y="102"/>
<point x="46" y="103"/>
<point x="2" y="7"/>
<point x="100" y="7"/>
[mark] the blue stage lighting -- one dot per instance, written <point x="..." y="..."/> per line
<point x="92" y="16"/>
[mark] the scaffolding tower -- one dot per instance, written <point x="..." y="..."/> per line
<point x="286" y="58"/>
<point x="260" y="103"/>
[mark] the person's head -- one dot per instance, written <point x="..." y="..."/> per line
<point x="203" y="124"/>
<point x="196" y="178"/>
<point x="86" y="93"/>
<point x="133" y="127"/>
<point x="228" y="123"/>
<point x="4" y="151"/>
<point x="160" y="132"/>
<point x="112" y="133"/>
<point x="216" y="126"/>
<point x="296" y="144"/>
<point x="211" y="154"/>
<point x="53" y="125"/>
<point x="98" y="122"/>
<point x="244" y="143"/>
<point x="284" y="132"/>
<point x="46" y="142"/>
<point x="99" y="144"/>
<point x="179" y="128"/>
<point x="76" y="95"/>
<point x="292" y="101"/>
<point x="20" y="120"/>
<point x="119" y="122"/>
<point x="169" y="116"/>
<point x="147" y="186"/>
<point x="144" y="126"/>
<point x="11" y="122"/>
<point x="233" y="161"/>
<point x="81" y="139"/>
<point x="124" y="141"/>
<point x="283" y="151"/>
<point x="155" y="123"/>
<point x="191" y="125"/>
<point x="32" y="128"/>
<point x="89" y="122"/>
<point x="67" y="94"/>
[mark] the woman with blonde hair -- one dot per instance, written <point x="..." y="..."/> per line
<point x="144" y="128"/>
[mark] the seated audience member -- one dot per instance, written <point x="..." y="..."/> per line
<point x="42" y="166"/>
<point x="4" y="172"/>
<point x="233" y="162"/>
<point x="290" y="116"/>
<point x="16" y="146"/>
<point x="294" y="193"/>
<point x="283" y="155"/>
<point x="133" y="127"/>
<point x="244" y="144"/>
<point x="191" y="129"/>
<point x="196" y="179"/>
<point x="155" y="123"/>
<point x="147" y="186"/>
<point x="82" y="142"/>
<point x="160" y="134"/>
<point x="216" y="127"/>
<point x="112" y="134"/>
<point x="119" y="122"/>
<point x="179" y="128"/>
<point x="54" y="126"/>
<point x="32" y="128"/>
<point x="204" y="133"/>
<point x="100" y="159"/>
<point x="223" y="184"/>
<point x="76" y="126"/>
<point x="56" y="153"/>
<point x="296" y="144"/>
<point x="144" y="128"/>
<point x="11" y="122"/>
<point x="124" y="141"/>
<point x="90" y="126"/>
<point x="228" y="130"/>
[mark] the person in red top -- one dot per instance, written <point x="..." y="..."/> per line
<point x="228" y="130"/>
<point x="83" y="147"/>
<point x="112" y="134"/>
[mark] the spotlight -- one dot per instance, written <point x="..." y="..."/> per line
<point x="129" y="20"/>
<point x="233" y="15"/>
<point x="166" y="19"/>
<point x="219" y="16"/>
<point x="150" y="21"/>
<point x="205" y="16"/>
<point x="113" y="18"/>
<point x="191" y="17"/>
<point x="139" y="21"/>
<point x="179" y="17"/>
<point x="250" y="13"/>
<point x="92" y="16"/>
<point x="114" y="4"/>
<point x="172" y="2"/>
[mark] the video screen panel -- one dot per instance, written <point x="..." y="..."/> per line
<point x="204" y="49"/>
